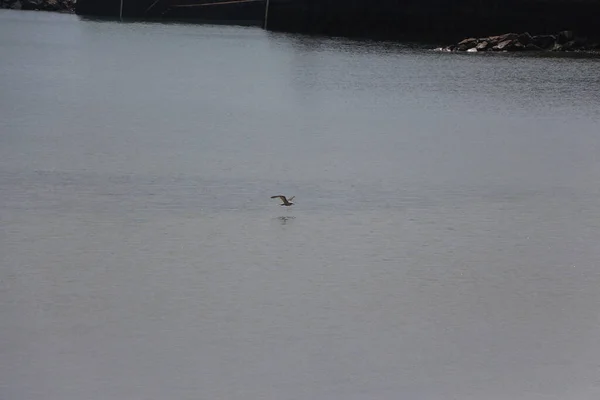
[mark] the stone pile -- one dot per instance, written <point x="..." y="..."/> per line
<point x="563" y="41"/>
<point x="42" y="5"/>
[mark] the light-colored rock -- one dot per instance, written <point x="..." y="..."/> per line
<point x="482" y="46"/>
<point x="503" y="45"/>
<point x="502" y="38"/>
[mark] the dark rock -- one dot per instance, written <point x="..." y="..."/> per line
<point x="580" y="42"/>
<point x="544" y="41"/>
<point x="51" y="5"/>
<point x="491" y="42"/>
<point x="44" y="5"/>
<point x="10" y="4"/>
<point x="467" y="44"/>
<point x="533" y="47"/>
<point x="564" y="37"/>
<point x="30" y="4"/>
<point x="518" y="46"/>
<point x="59" y="5"/>
<point x="592" y="46"/>
<point x="525" y="38"/>
<point x="13" y="5"/>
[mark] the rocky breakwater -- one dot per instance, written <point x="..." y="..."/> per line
<point x="563" y="41"/>
<point x="67" y="6"/>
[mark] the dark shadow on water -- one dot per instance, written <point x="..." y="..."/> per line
<point x="575" y="55"/>
<point x="285" y="220"/>
<point x="169" y="21"/>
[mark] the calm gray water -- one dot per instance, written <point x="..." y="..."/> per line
<point x="444" y="243"/>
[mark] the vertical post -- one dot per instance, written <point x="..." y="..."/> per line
<point x="121" y="11"/>
<point x="266" y="14"/>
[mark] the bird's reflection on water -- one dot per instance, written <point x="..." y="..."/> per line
<point x="284" y="220"/>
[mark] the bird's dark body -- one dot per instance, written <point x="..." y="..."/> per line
<point x="284" y="200"/>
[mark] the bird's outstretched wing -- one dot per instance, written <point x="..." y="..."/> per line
<point x="291" y="198"/>
<point x="284" y="201"/>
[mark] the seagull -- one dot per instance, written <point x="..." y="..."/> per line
<point x="284" y="201"/>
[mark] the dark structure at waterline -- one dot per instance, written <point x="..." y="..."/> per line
<point x="224" y="11"/>
<point x="441" y="18"/>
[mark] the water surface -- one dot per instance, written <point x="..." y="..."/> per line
<point x="443" y="244"/>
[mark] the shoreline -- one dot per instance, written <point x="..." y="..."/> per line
<point x="561" y="42"/>
<point x="564" y="41"/>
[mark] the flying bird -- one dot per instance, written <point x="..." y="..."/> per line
<point x="284" y="201"/>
